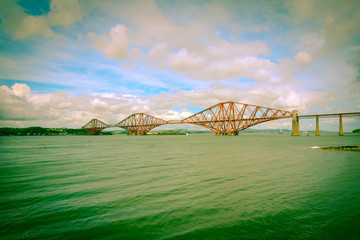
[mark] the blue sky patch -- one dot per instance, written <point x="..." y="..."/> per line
<point x="39" y="8"/>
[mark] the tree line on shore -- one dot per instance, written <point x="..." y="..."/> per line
<point x="39" y="131"/>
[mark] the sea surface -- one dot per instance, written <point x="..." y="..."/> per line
<point x="251" y="186"/>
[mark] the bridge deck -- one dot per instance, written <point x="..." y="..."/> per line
<point x="330" y="115"/>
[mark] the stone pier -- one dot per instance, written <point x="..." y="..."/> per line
<point x="341" y="131"/>
<point x="317" y="133"/>
<point x="295" y="124"/>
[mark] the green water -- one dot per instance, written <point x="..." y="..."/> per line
<point x="251" y="186"/>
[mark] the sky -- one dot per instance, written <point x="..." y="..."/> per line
<point x="64" y="62"/>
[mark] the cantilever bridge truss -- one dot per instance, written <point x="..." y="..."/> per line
<point x="231" y="117"/>
<point x="222" y="118"/>
<point x="95" y="126"/>
<point x="140" y="123"/>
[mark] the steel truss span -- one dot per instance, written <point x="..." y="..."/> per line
<point x="222" y="118"/>
<point x="95" y="126"/>
<point x="140" y="123"/>
<point x="232" y="117"/>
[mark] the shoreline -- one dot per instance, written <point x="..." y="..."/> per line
<point x="342" y="148"/>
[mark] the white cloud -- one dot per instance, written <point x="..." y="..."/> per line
<point x="220" y="60"/>
<point x="68" y="110"/>
<point x="64" y="12"/>
<point x="65" y="105"/>
<point x="185" y="60"/>
<point x="290" y="101"/>
<point x="158" y="52"/>
<point x="20" y="107"/>
<point x="14" y="104"/>
<point x="173" y="115"/>
<point x="330" y="19"/>
<point x="301" y="10"/>
<point x="197" y="67"/>
<point x="222" y="49"/>
<point x="195" y="58"/>
<point x="98" y="104"/>
<point x="22" y="25"/>
<point x="115" y="45"/>
<point x="156" y="55"/>
<point x="32" y="26"/>
<point x="313" y="41"/>
<point x="303" y="57"/>
<point x="21" y="90"/>
<point x="166" y="48"/>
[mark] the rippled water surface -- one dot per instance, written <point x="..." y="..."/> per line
<point x="251" y="186"/>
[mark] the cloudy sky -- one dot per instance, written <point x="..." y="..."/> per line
<point x="64" y="62"/>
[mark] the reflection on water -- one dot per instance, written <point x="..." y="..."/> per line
<point x="251" y="186"/>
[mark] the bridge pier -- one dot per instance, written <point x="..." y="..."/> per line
<point x="94" y="131"/>
<point x="295" y="124"/>
<point x="341" y="131"/>
<point x="317" y="133"/>
<point x="227" y="133"/>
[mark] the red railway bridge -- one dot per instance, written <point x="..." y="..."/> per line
<point x="223" y="118"/>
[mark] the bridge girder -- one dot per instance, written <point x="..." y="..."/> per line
<point x="233" y="117"/>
